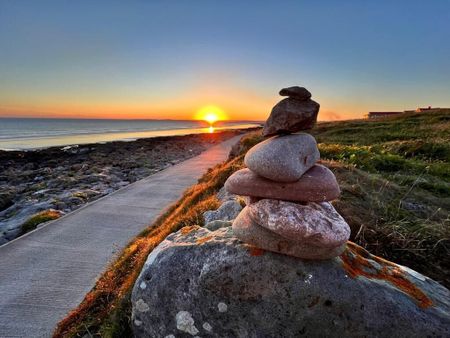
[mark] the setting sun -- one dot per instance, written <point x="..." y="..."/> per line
<point x="210" y="114"/>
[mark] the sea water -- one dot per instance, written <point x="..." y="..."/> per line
<point x="32" y="133"/>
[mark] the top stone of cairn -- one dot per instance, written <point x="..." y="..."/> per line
<point x="297" y="92"/>
<point x="293" y="114"/>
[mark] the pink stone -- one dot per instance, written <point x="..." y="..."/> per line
<point x="315" y="223"/>
<point x="248" y="231"/>
<point x="318" y="184"/>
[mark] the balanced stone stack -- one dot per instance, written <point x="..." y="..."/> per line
<point x="289" y="193"/>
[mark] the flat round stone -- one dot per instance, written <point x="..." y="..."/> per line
<point x="318" y="184"/>
<point x="248" y="231"/>
<point x="283" y="158"/>
<point x="290" y="116"/>
<point x="316" y="223"/>
<point x="300" y="93"/>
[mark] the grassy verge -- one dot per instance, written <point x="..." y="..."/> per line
<point x="394" y="176"/>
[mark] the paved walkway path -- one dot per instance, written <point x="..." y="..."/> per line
<point x="46" y="273"/>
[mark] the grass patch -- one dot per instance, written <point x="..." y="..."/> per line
<point x="425" y="127"/>
<point x="35" y="220"/>
<point x="405" y="225"/>
<point x="411" y="149"/>
<point x="395" y="180"/>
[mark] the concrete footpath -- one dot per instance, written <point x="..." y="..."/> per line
<point x="46" y="273"/>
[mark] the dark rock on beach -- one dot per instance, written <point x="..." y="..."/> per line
<point x="210" y="284"/>
<point x="6" y="199"/>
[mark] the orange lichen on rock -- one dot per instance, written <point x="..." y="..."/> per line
<point x="188" y="229"/>
<point x="357" y="262"/>
<point x="204" y="239"/>
<point x="254" y="251"/>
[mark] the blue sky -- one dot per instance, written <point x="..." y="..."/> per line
<point x="168" y="58"/>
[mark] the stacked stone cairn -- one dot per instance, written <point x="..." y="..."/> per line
<point x="289" y="210"/>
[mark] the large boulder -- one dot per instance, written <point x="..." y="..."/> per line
<point x="209" y="284"/>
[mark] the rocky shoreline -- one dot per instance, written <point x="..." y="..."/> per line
<point x="65" y="178"/>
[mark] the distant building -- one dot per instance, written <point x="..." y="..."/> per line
<point x="429" y="109"/>
<point x="382" y="114"/>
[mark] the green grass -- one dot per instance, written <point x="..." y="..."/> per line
<point x="35" y="220"/>
<point x="394" y="176"/>
<point x="395" y="180"/>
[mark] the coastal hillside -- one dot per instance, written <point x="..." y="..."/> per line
<point x="395" y="180"/>
<point x="394" y="175"/>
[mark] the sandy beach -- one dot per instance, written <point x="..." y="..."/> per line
<point x="65" y="178"/>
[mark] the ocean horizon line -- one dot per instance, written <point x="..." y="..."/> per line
<point x="31" y="134"/>
<point x="123" y="119"/>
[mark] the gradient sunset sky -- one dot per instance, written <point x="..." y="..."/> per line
<point x="167" y="59"/>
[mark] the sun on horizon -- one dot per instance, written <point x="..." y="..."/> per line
<point x="210" y="114"/>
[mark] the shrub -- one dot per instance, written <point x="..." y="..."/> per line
<point x="41" y="217"/>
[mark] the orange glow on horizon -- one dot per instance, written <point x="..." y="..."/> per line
<point x="211" y="114"/>
<point x="245" y="104"/>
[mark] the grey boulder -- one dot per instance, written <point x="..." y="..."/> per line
<point x="291" y="115"/>
<point x="223" y="195"/>
<point x="215" y="225"/>
<point x="209" y="284"/>
<point x="11" y="228"/>
<point x="226" y="212"/>
<point x="283" y="158"/>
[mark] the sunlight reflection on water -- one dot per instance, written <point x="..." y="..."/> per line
<point x="64" y="140"/>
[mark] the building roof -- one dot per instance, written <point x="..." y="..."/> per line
<point x="385" y="112"/>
